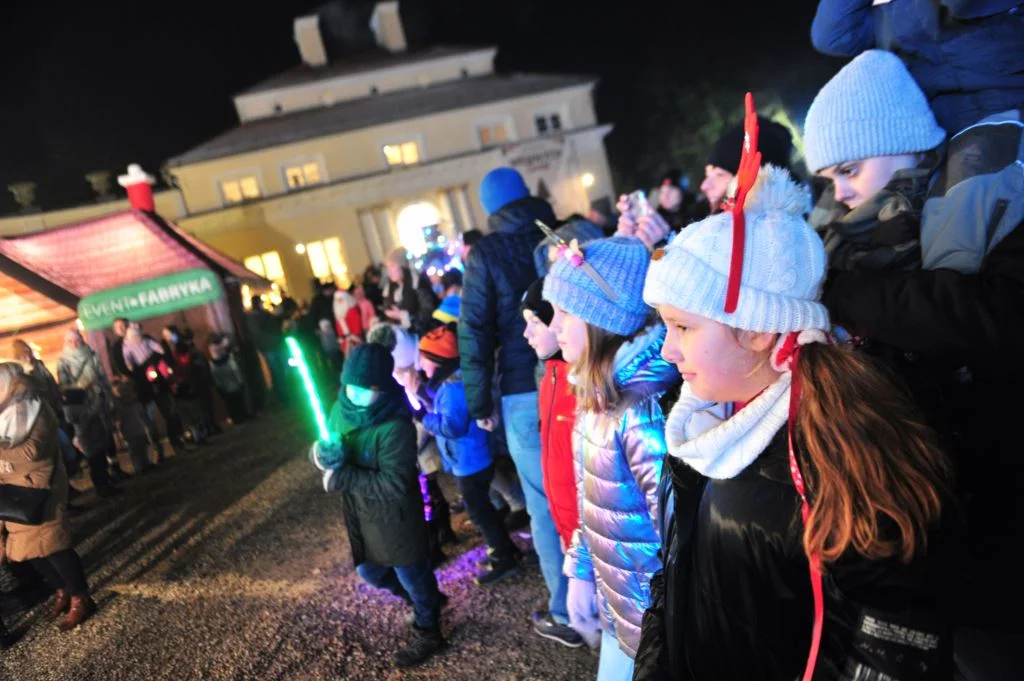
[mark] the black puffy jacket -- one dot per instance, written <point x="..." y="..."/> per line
<point x="734" y="599"/>
<point x="955" y="339"/>
<point x="498" y="271"/>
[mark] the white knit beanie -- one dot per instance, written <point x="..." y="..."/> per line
<point x="783" y="264"/>
<point x="872" y="107"/>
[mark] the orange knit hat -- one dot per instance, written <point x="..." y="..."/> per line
<point x="440" y="345"/>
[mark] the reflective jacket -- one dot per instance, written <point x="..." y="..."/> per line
<point x="618" y="459"/>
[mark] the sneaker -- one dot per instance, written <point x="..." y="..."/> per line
<point x="410" y="617"/>
<point x="496" y="570"/>
<point x="423" y="645"/>
<point x="545" y="625"/>
<point x="6" y="637"/>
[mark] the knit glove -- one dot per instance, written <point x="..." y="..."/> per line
<point x="581" y="601"/>
<point x="326" y="455"/>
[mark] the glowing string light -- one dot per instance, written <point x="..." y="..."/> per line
<point x="307" y="383"/>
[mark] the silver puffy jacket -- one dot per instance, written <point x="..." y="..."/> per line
<point x="618" y="458"/>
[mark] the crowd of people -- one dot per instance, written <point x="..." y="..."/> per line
<point x="763" y="435"/>
<point x="766" y="433"/>
<point x="54" y="427"/>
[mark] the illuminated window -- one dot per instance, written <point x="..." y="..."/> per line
<point x="302" y="175"/>
<point x="492" y="134"/>
<point x="267" y="265"/>
<point x="402" y="154"/>
<point x="241" y="189"/>
<point x="327" y="261"/>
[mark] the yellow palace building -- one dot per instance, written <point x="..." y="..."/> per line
<point x="336" y="162"/>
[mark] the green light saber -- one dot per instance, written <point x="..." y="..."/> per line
<point x="307" y="382"/>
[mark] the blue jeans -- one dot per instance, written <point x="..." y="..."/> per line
<point x="521" y="417"/>
<point x="414" y="584"/>
<point x="614" y="665"/>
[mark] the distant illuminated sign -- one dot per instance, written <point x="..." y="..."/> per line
<point x="150" y="298"/>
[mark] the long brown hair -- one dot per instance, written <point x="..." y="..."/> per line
<point x="595" y="377"/>
<point x="877" y="476"/>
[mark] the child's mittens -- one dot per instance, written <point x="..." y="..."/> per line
<point x="326" y="456"/>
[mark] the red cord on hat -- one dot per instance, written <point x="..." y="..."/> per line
<point x="746" y="175"/>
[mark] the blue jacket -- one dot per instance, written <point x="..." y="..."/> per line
<point x="499" y="269"/>
<point x="464" y="446"/>
<point x="967" y="55"/>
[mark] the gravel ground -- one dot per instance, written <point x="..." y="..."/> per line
<point x="231" y="563"/>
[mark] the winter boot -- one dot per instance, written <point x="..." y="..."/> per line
<point x="422" y="645"/>
<point x="410" y="617"/>
<point x="61" y="603"/>
<point x="6" y="637"/>
<point x="82" y="608"/>
<point x="496" y="569"/>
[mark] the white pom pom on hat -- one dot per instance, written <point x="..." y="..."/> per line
<point x="783" y="264"/>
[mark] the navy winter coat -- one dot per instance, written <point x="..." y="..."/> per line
<point x="498" y="271"/>
<point x="967" y="55"/>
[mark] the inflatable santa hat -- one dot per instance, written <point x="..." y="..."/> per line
<point x="139" y="186"/>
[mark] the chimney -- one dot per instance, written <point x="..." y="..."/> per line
<point x="99" y="180"/>
<point x="309" y="40"/>
<point x="386" y="24"/>
<point x="139" y="186"/>
<point x="25" y="195"/>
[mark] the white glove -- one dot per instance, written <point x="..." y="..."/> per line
<point x="581" y="601"/>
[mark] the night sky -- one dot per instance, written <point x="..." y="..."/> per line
<point x="92" y="86"/>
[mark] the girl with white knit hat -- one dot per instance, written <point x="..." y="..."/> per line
<point x="806" y="491"/>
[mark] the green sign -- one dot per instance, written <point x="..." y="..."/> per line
<point x="150" y="298"/>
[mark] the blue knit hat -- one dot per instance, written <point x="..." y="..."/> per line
<point x="622" y="263"/>
<point x="448" y="310"/>
<point x="501" y="187"/>
<point x="872" y="107"/>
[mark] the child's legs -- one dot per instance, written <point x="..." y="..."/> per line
<point x="381" y="577"/>
<point x="475" y="490"/>
<point x="138" y="452"/>
<point x="522" y="431"/>
<point x="421" y="585"/>
<point x="615" y="665"/>
<point x="508" y="489"/>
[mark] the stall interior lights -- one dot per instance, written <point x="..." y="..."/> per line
<point x="307" y="383"/>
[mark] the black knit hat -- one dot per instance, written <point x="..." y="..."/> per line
<point x="369" y="366"/>
<point x="533" y="300"/>
<point x="773" y="141"/>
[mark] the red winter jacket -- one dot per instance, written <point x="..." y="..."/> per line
<point x="557" y="418"/>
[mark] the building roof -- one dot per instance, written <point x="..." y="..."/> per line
<point x="112" y="251"/>
<point x="371" y="111"/>
<point x="24" y="307"/>
<point x="361" y="63"/>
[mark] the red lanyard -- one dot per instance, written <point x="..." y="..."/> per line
<point x="805" y="510"/>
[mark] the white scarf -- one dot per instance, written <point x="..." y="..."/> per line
<point x="701" y="434"/>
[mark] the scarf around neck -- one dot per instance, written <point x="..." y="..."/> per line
<point x="701" y="434"/>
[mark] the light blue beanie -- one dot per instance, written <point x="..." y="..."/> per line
<point x="622" y="262"/>
<point x="872" y="107"/>
<point x="501" y="187"/>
